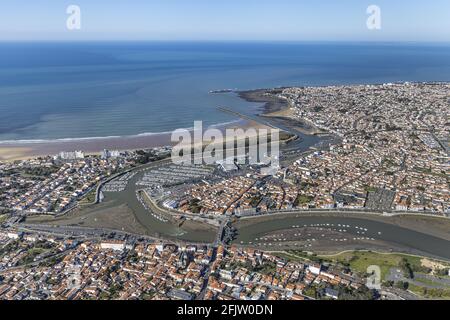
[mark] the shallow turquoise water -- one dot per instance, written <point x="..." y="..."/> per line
<point x="74" y="90"/>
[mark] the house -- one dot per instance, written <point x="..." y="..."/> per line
<point x="315" y="268"/>
<point x="331" y="293"/>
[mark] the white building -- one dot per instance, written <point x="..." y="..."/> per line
<point x="114" y="245"/>
<point x="106" y="154"/>
<point x="73" y="155"/>
<point x="13" y="235"/>
<point x="315" y="268"/>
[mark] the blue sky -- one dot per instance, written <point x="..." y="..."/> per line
<point x="285" y="20"/>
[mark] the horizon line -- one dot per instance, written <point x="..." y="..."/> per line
<point x="232" y="40"/>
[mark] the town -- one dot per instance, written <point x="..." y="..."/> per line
<point x="394" y="156"/>
<point x="36" y="267"/>
<point x="391" y="157"/>
<point x="54" y="184"/>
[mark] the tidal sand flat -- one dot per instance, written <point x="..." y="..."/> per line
<point x="16" y="150"/>
<point x="359" y="231"/>
<point x="14" y="153"/>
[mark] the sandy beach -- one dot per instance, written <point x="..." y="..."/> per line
<point x="13" y="153"/>
<point x="272" y="107"/>
<point x="10" y="151"/>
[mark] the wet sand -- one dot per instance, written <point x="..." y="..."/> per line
<point x="119" y="218"/>
<point x="427" y="236"/>
<point x="10" y="151"/>
<point x="273" y="107"/>
<point x="21" y="150"/>
<point x="13" y="153"/>
<point x="278" y="109"/>
<point x="435" y="226"/>
<point x="267" y="97"/>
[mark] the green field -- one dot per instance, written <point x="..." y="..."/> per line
<point x="360" y="260"/>
<point x="3" y="217"/>
<point x="89" y="198"/>
<point x="30" y="255"/>
<point x="430" y="293"/>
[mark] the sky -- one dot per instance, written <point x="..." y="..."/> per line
<point x="260" y="20"/>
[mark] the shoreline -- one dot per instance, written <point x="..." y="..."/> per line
<point x="273" y="108"/>
<point x="12" y="151"/>
<point x="409" y="221"/>
<point x="278" y="109"/>
<point x="270" y="102"/>
<point x="398" y="233"/>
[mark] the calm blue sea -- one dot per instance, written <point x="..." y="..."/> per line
<point x="79" y="90"/>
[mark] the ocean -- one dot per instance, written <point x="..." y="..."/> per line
<point x="65" y="90"/>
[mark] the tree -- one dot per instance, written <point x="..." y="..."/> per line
<point x="404" y="285"/>
<point x="406" y="268"/>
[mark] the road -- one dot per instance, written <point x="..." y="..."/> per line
<point x="216" y="244"/>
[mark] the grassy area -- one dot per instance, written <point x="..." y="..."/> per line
<point x="360" y="260"/>
<point x="89" y="198"/>
<point x="289" y="256"/>
<point x="31" y="254"/>
<point x="416" y="289"/>
<point x="430" y="293"/>
<point x="303" y="199"/>
<point x="3" y="218"/>
<point x="298" y="256"/>
<point x="431" y="282"/>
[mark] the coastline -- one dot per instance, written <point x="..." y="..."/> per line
<point x="21" y="150"/>
<point x="272" y="107"/>
<point x="265" y="96"/>
<point x="278" y="109"/>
